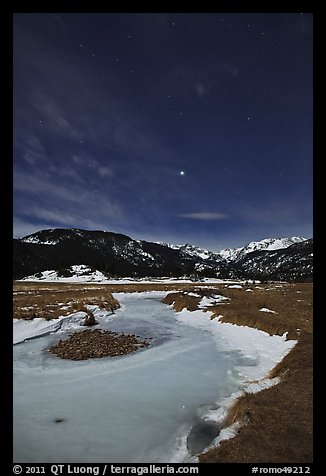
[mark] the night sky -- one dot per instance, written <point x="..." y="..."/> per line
<point x="182" y="128"/>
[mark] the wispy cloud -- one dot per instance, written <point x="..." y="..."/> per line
<point x="104" y="171"/>
<point x="203" y="216"/>
<point x="85" y="106"/>
<point x="49" y="197"/>
<point x="53" y="215"/>
<point x="23" y="227"/>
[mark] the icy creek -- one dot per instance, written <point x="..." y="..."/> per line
<point x="138" y="408"/>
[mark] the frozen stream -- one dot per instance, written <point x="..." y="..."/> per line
<point x="137" y="408"/>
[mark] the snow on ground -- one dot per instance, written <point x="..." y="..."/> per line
<point x="84" y="274"/>
<point x="235" y="286"/>
<point x="79" y="273"/>
<point x="265" y="309"/>
<point x="211" y="301"/>
<point x="34" y="239"/>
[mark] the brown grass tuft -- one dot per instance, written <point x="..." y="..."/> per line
<point x="96" y="344"/>
<point x="181" y="301"/>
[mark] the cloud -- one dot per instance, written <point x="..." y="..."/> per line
<point x="56" y="215"/>
<point x="23" y="228"/>
<point x="105" y="172"/>
<point x="49" y="197"/>
<point x="204" y="216"/>
<point x="53" y="104"/>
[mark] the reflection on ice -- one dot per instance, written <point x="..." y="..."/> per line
<point x="136" y="408"/>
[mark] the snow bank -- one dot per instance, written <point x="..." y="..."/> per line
<point x="24" y="330"/>
<point x="264" y="350"/>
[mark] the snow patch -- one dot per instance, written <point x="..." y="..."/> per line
<point x="37" y="241"/>
<point x="211" y="301"/>
<point x="265" y="309"/>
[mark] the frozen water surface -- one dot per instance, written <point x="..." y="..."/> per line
<point x="138" y="408"/>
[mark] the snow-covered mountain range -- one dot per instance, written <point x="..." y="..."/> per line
<point x="234" y="254"/>
<point x="268" y="244"/>
<point x="116" y="255"/>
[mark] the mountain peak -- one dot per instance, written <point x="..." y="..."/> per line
<point x="267" y="244"/>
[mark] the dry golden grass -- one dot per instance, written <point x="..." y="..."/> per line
<point x="291" y="302"/>
<point x="276" y="422"/>
<point x="51" y="301"/>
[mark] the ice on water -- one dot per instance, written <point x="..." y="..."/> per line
<point x="137" y="408"/>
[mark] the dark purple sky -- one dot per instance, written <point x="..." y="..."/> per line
<point x="167" y="127"/>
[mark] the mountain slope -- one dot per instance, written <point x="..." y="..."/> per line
<point x="117" y="255"/>
<point x="111" y="253"/>
<point x="294" y="263"/>
<point x="268" y="244"/>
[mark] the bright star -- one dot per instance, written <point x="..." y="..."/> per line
<point x="182" y="172"/>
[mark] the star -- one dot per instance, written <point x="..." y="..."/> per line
<point x="182" y="172"/>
